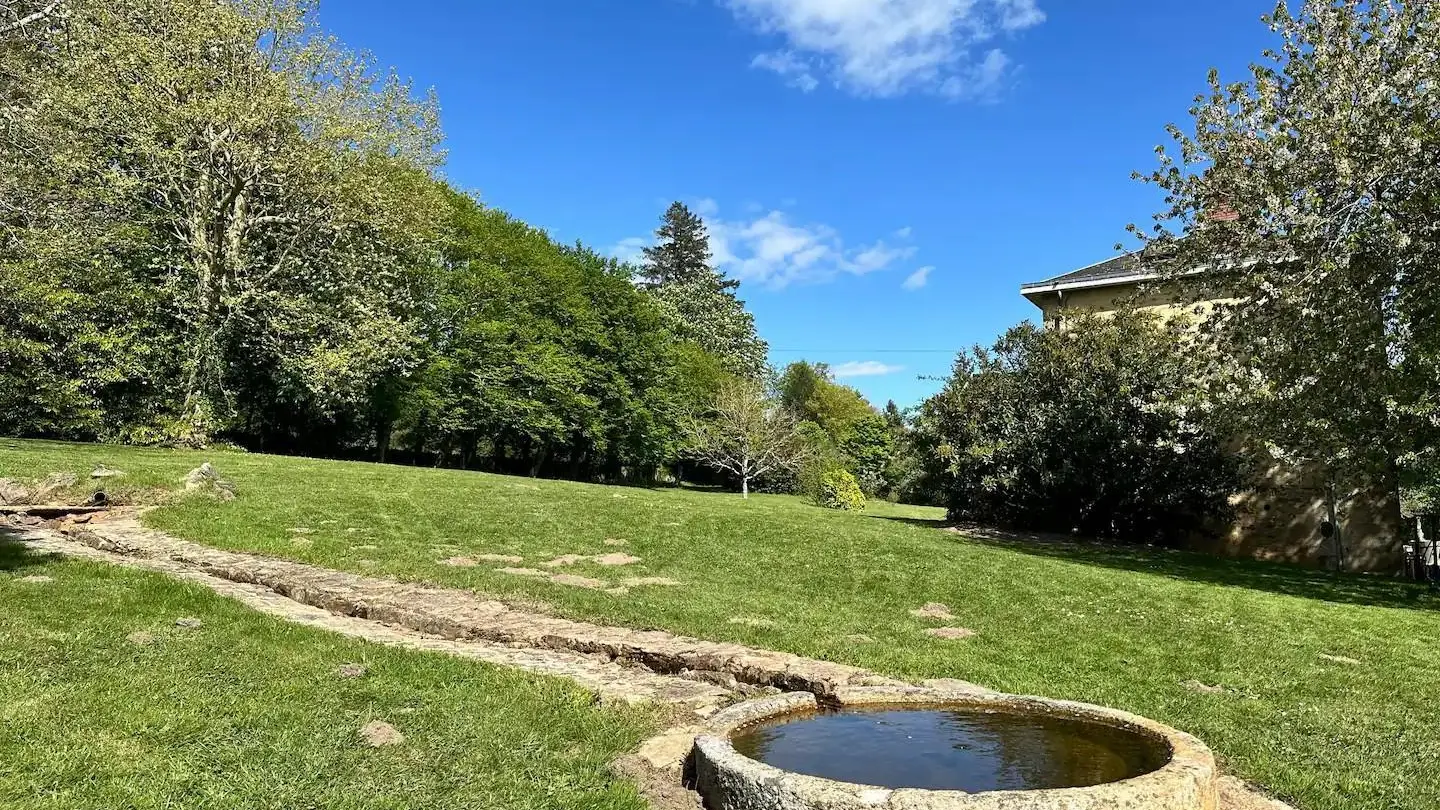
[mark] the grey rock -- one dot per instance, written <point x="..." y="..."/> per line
<point x="13" y="493"/>
<point x="188" y="623"/>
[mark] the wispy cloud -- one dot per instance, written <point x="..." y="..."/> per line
<point x="889" y="47"/>
<point x="774" y="250"/>
<point x="630" y="249"/>
<point x="864" y="368"/>
<point x="918" y="279"/>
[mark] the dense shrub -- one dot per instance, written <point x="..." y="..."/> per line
<point x="1100" y="429"/>
<point x="839" y="490"/>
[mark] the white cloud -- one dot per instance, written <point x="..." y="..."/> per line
<point x="889" y="47"/>
<point x="864" y="368"/>
<point x="769" y="248"/>
<point x="918" y="279"/>
<point x="795" y="71"/>
<point x="630" y="248"/>
<point x="773" y="250"/>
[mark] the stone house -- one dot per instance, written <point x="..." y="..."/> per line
<point x="1282" y="516"/>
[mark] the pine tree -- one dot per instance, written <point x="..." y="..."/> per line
<point x="682" y="249"/>
<point x="699" y="301"/>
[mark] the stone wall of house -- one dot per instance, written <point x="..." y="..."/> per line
<point x="1280" y="519"/>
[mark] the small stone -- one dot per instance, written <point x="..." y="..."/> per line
<point x="351" y="671"/>
<point x="189" y="623"/>
<point x="54" y="482"/>
<point x="640" y="582"/>
<point x="36" y="579"/>
<point x="1340" y="659"/>
<point x="615" y="559"/>
<point x="12" y="492"/>
<point x="950" y="633"/>
<point x="932" y="610"/>
<point x="141" y="638"/>
<point x="500" y="558"/>
<point x="459" y="562"/>
<point x="615" y="541"/>
<point x="101" y="471"/>
<point x="579" y="582"/>
<point x="523" y="572"/>
<point x="669" y="750"/>
<point x="618" y="591"/>
<point x="1203" y="688"/>
<point x="378" y="734"/>
<point x="28" y="520"/>
<point x="564" y="559"/>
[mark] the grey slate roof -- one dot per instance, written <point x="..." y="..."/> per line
<point x="1095" y="275"/>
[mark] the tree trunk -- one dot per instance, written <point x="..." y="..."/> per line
<point x="745" y="487"/>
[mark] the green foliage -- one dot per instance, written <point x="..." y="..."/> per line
<point x="839" y="490"/>
<point x="681" y="252"/>
<point x="271" y="187"/>
<point x="847" y="431"/>
<point x="545" y="359"/>
<point x="698" y="301"/>
<point x="1308" y="194"/>
<point x="1099" y="429"/>
<point x="222" y="224"/>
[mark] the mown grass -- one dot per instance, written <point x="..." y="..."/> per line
<point x="1125" y="628"/>
<point x="247" y="711"/>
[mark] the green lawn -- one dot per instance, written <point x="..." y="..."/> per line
<point x="1121" y="628"/>
<point x="247" y="711"/>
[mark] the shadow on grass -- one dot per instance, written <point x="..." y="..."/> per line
<point x="16" y="556"/>
<point x="1290" y="580"/>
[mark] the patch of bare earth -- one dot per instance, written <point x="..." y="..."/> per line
<point x="950" y="633"/>
<point x="932" y="610"/>
<point x="379" y="734"/>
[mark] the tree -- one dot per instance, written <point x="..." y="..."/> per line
<point x="681" y="252"/>
<point x="746" y="434"/>
<point x="698" y="301"/>
<point x="1099" y="429"/>
<point x="273" y="185"/>
<point x="1307" y="197"/>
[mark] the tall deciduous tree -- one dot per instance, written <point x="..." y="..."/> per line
<point x="275" y="186"/>
<point x="1308" y="196"/>
<point x="746" y="434"/>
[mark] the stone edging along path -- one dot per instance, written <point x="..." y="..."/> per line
<point x="696" y="671"/>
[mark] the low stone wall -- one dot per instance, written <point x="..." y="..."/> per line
<point x="456" y="614"/>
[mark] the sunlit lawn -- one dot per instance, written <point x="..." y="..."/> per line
<point x="247" y="711"/>
<point x="1123" y="628"/>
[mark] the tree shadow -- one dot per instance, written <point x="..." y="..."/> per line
<point x="16" y="556"/>
<point x="1274" y="577"/>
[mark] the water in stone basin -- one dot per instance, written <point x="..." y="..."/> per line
<point x="951" y="748"/>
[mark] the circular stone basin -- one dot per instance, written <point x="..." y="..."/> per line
<point x="913" y="748"/>
<point x="956" y="748"/>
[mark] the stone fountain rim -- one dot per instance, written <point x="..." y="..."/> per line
<point x="1185" y="782"/>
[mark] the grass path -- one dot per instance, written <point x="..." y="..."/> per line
<point x="1128" y="629"/>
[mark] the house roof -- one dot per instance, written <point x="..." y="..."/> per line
<point x="1124" y="269"/>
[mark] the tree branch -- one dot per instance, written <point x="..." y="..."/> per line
<point x="31" y="18"/>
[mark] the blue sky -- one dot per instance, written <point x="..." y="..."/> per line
<point x="881" y="174"/>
